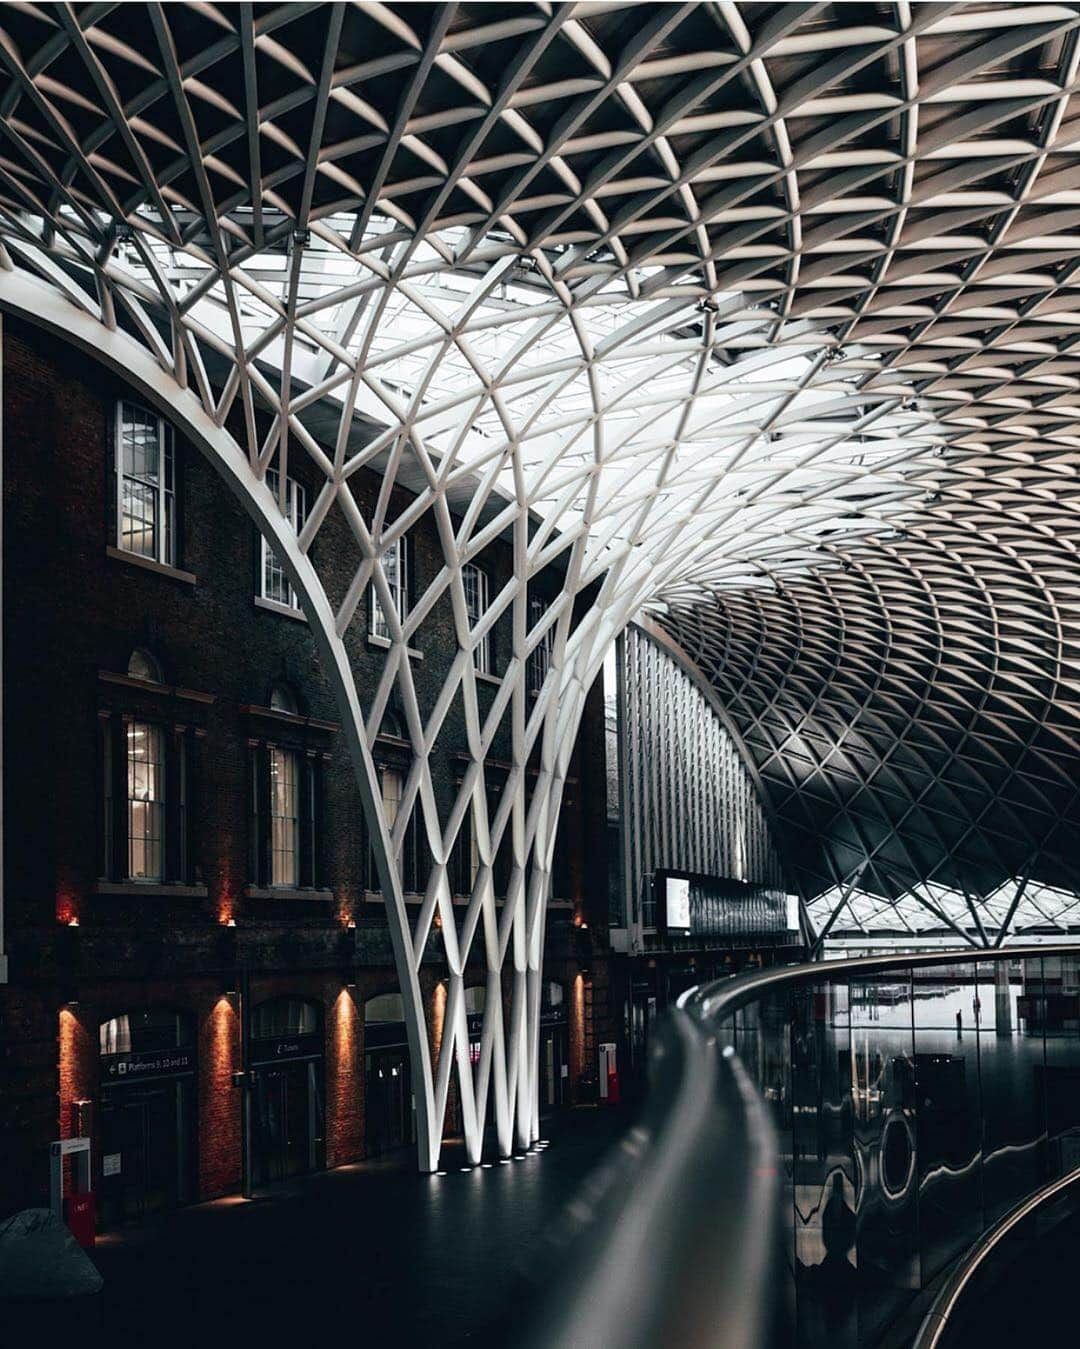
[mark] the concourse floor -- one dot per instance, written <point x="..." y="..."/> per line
<point x="373" y="1251"/>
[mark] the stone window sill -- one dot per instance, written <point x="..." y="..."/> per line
<point x="286" y="892"/>
<point x="375" y="897"/>
<point x="384" y="643"/>
<point x="276" y="607"/>
<point x="148" y="564"/>
<point x="151" y="889"/>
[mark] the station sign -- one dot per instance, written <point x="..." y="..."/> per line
<point x="132" y="1067"/>
<point x="279" y="1048"/>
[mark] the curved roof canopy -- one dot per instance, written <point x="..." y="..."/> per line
<point x="772" y="305"/>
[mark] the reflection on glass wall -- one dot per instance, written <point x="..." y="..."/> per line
<point x="914" y="1106"/>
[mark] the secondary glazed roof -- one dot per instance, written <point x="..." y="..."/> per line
<point x="773" y="306"/>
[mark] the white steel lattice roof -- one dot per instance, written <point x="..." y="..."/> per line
<point x="763" y="317"/>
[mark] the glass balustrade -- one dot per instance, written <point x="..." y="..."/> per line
<point x="914" y="1104"/>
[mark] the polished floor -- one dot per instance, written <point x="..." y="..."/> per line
<point x="373" y="1251"/>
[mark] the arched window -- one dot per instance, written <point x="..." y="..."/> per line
<point x="145" y="764"/>
<point x="283" y="700"/>
<point x="391" y="725"/>
<point x="145" y="801"/>
<point x="393" y="772"/>
<point x="388" y="1007"/>
<point x="284" y="1016"/>
<point x="475" y="1001"/>
<point x="145" y="1031"/>
<point x="143" y="665"/>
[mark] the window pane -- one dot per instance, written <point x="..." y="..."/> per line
<point x="274" y="582"/>
<point x="539" y="661"/>
<point x="138" y="527"/>
<point x="284" y="825"/>
<point x="147" y="523"/>
<point x="142" y="665"/>
<point x="140" y="440"/>
<point x="474" y="850"/>
<point x="393" y="565"/>
<point x="475" y="584"/>
<point x="146" y="800"/>
<point x="391" y="795"/>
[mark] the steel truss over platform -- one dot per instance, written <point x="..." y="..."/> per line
<point x="759" y="317"/>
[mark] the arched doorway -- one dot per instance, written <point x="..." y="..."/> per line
<point x="388" y="1101"/>
<point x="147" y="1113"/>
<point x="288" y="1128"/>
<point x="554" y="1046"/>
<point x="475" y="1002"/>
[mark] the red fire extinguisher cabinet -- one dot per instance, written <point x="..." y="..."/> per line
<point x="80" y="1215"/>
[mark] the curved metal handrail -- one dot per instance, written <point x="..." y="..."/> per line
<point x="936" y="1321"/>
<point x="682" y="1244"/>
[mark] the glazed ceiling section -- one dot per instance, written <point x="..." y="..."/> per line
<point x="776" y="304"/>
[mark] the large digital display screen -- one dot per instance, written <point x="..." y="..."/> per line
<point x="677" y="903"/>
<point x="690" y="905"/>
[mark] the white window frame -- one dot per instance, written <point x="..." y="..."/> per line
<point x="475" y="583"/>
<point x="284" y="824"/>
<point x="474" y="849"/>
<point x="270" y="569"/>
<point x="153" y="831"/>
<point x="399" y="589"/>
<point x="391" y="805"/>
<point x="164" y="489"/>
<point x="538" y="662"/>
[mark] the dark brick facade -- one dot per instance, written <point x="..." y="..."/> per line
<point x="83" y="947"/>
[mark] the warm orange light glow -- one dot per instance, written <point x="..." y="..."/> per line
<point x="76" y="1053"/>
<point x="344" y="1113"/>
<point x="67" y="910"/>
<point x="438" y="1017"/>
<point x="576" y="1027"/>
<point x="222" y="1036"/>
<point x="345" y="1023"/>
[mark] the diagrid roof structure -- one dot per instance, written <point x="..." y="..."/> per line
<point x="757" y="317"/>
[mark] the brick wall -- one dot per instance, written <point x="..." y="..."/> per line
<point x="70" y="612"/>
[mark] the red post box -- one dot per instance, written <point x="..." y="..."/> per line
<point x="80" y="1214"/>
<point x="613" y="1087"/>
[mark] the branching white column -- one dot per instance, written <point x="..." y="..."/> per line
<point x="627" y="448"/>
<point x="499" y="263"/>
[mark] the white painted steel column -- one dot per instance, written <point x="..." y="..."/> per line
<point x="3" y="607"/>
